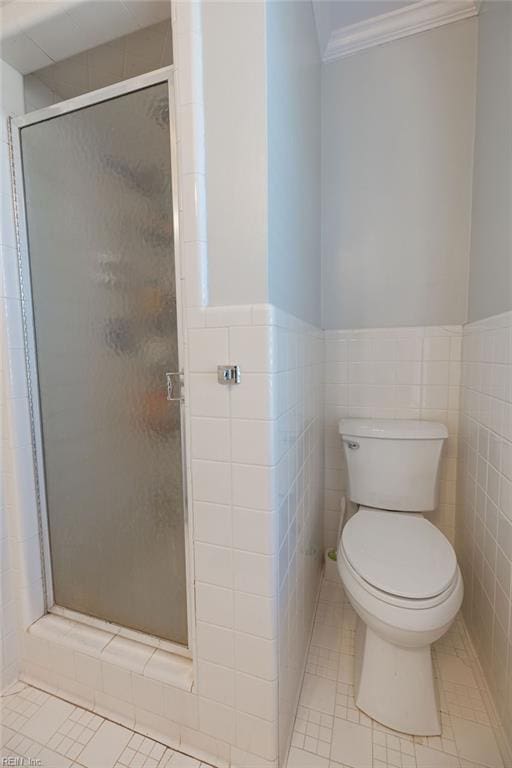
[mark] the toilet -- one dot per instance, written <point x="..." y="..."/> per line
<point x="399" y="571"/>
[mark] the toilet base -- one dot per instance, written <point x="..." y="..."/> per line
<point x="395" y="685"/>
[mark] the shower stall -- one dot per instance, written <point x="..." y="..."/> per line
<point x="97" y="220"/>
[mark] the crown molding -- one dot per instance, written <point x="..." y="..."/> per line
<point x="409" y="20"/>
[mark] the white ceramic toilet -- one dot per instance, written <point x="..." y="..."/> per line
<point x="399" y="571"/>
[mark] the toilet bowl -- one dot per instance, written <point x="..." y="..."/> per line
<point x="399" y="571"/>
<point x="402" y="609"/>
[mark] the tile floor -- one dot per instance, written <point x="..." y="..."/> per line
<point x="38" y="729"/>
<point x="330" y="732"/>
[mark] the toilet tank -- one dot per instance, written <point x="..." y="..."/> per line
<point x="393" y="463"/>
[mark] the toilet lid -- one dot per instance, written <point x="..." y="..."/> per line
<point x="399" y="553"/>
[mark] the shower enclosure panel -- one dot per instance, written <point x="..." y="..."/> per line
<point x="97" y="197"/>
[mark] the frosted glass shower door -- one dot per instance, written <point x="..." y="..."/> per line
<point x="98" y="201"/>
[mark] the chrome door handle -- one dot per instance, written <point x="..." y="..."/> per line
<point x="174" y="385"/>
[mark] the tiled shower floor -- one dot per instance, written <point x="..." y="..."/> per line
<point x="38" y="729"/>
<point x="330" y="732"/>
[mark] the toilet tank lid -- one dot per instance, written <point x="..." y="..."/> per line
<point x="393" y="429"/>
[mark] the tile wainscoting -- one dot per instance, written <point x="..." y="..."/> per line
<point x="13" y="405"/>
<point x="484" y="509"/>
<point x="300" y="513"/>
<point x="402" y="373"/>
<point x="264" y="437"/>
<point x="256" y="518"/>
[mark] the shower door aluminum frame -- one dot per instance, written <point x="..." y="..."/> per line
<point x="16" y="124"/>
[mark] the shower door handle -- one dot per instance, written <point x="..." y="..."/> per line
<point x="174" y="384"/>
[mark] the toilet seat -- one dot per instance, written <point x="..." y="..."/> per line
<point x="387" y="599"/>
<point x="400" y="558"/>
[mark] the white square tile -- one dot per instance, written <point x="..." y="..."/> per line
<point x="213" y="565"/>
<point x="436" y="348"/>
<point x="214" y="605"/>
<point x="207" y="396"/>
<point x="211" y="481"/>
<point x="253" y="487"/>
<point x="256" y="656"/>
<point x="254" y="573"/>
<point x="216" y="683"/>
<point x="253" y="348"/>
<point x="180" y="706"/>
<point x="105" y="746"/>
<point x="256" y="736"/>
<point x="318" y="693"/>
<point x="217" y="720"/>
<point x="117" y="682"/>
<point x="208" y="348"/>
<point x="299" y="758"/>
<point x="255" y="615"/>
<point x="211" y="439"/>
<point x="88" y="670"/>
<point x="254" y="531"/>
<point x="45" y="722"/>
<point x="351" y="744"/>
<point x="455" y="670"/>
<point x="433" y="758"/>
<point x="213" y="523"/>
<point x="215" y="644"/>
<point x="227" y="316"/>
<point x="256" y="696"/>
<point x="476" y="743"/>
<point x="254" y="397"/>
<point x="253" y="441"/>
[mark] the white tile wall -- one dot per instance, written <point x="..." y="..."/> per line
<point x="402" y="373"/>
<point x="13" y="401"/>
<point x="142" y="51"/>
<point x="256" y="515"/>
<point x="484" y="509"/>
<point x="298" y="448"/>
<point x="235" y="502"/>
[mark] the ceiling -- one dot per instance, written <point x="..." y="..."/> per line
<point x="142" y="51"/>
<point x="37" y="33"/>
<point x="332" y="15"/>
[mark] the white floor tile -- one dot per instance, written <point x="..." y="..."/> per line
<point x="355" y="740"/>
<point x="178" y="760"/>
<point x="106" y="746"/>
<point x="476" y="743"/>
<point x="5" y="734"/>
<point x="318" y="693"/>
<point x="81" y="739"/>
<point x="299" y="758"/>
<point x="455" y="670"/>
<point x="51" y="759"/>
<point x="433" y="758"/>
<point x="351" y="744"/>
<point x="45" y="722"/>
<point x="346" y="668"/>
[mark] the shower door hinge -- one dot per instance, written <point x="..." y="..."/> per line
<point x="174" y="381"/>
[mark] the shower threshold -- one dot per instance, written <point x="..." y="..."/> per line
<point x="119" y="631"/>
